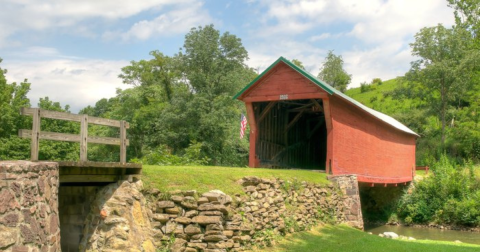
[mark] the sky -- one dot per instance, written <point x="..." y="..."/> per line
<point x="73" y="51"/>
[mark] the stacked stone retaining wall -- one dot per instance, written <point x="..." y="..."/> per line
<point x="29" y="219"/>
<point x="213" y="221"/>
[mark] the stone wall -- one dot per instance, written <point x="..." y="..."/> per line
<point x="118" y="221"/>
<point x="29" y="206"/>
<point x="214" y="221"/>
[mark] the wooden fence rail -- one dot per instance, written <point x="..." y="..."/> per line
<point x="36" y="134"/>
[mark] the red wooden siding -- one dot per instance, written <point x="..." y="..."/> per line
<point x="368" y="147"/>
<point x="283" y="80"/>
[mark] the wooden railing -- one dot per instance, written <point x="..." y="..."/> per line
<point x="36" y="134"/>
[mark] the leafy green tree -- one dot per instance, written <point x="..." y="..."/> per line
<point x="298" y="63"/>
<point x="184" y="101"/>
<point x="13" y="96"/>
<point x="333" y="73"/>
<point x="439" y="75"/>
<point x="212" y="62"/>
<point x="467" y="16"/>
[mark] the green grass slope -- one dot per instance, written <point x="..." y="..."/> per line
<point x="343" y="238"/>
<point x="379" y="97"/>
<point x="206" y="178"/>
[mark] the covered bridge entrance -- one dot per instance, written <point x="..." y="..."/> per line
<point x="298" y="121"/>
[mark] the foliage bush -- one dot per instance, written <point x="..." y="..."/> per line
<point x="162" y="155"/>
<point x="451" y="195"/>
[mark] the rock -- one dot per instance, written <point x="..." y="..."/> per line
<point x="213" y="207"/>
<point x="176" y="198"/>
<point x="178" y="245"/>
<point x="202" y="200"/>
<point x="211" y="213"/>
<point x="193" y="229"/>
<point x="411" y="239"/>
<point x="161" y="217"/>
<point x="169" y="227"/>
<point x="114" y="220"/>
<point x="206" y="219"/>
<point x="391" y="235"/>
<point x="214" y="238"/>
<point x="165" y="204"/>
<point x="183" y="220"/>
<point x="173" y="210"/>
<point x="8" y="236"/>
<point x="191" y="213"/>
<point x="457" y="241"/>
<point x="197" y="245"/>
<point x="189" y="202"/>
<point x="247" y="181"/>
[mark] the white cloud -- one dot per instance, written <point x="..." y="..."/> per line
<point x="78" y="83"/>
<point x="372" y="36"/>
<point x="31" y="15"/>
<point x="167" y="24"/>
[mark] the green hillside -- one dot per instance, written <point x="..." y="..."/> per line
<point x="379" y="97"/>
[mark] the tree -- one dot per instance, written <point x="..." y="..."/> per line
<point x="13" y="96"/>
<point x="214" y="64"/>
<point x="467" y="16"/>
<point x="298" y="63"/>
<point x="438" y="77"/>
<point x="333" y="73"/>
<point x="186" y="100"/>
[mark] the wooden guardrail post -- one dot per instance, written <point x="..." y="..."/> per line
<point x="35" y="135"/>
<point x="123" y="142"/>
<point x="83" y="138"/>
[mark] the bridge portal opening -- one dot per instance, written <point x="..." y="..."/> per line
<point x="291" y="134"/>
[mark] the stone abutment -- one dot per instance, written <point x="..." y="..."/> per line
<point x="37" y="214"/>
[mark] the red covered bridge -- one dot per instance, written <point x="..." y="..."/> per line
<point x="299" y="121"/>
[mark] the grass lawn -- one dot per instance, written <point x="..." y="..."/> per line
<point x="343" y="238"/>
<point x="206" y="178"/>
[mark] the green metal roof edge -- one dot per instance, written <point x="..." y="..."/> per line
<point x="329" y="89"/>
<point x="256" y="79"/>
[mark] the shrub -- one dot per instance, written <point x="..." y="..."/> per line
<point x="450" y="196"/>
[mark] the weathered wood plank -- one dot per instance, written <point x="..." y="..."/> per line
<point x="106" y="140"/>
<point x="295" y="119"/>
<point x="328" y="117"/>
<point x="253" y="134"/>
<point x="106" y="122"/>
<point x="320" y="107"/>
<point x="98" y="164"/>
<point x="35" y="135"/>
<point x="83" y="138"/>
<point x="96" y="178"/>
<point x="71" y="137"/>
<point x="72" y="117"/>
<point x="265" y="111"/>
<point x="123" y="140"/>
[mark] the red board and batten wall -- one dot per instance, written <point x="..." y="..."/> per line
<point x="357" y="142"/>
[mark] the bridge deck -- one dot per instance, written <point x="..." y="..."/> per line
<point x="97" y="172"/>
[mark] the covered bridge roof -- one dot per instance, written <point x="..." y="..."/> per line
<point x="331" y="91"/>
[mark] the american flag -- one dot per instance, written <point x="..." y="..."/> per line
<point x="243" y="126"/>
